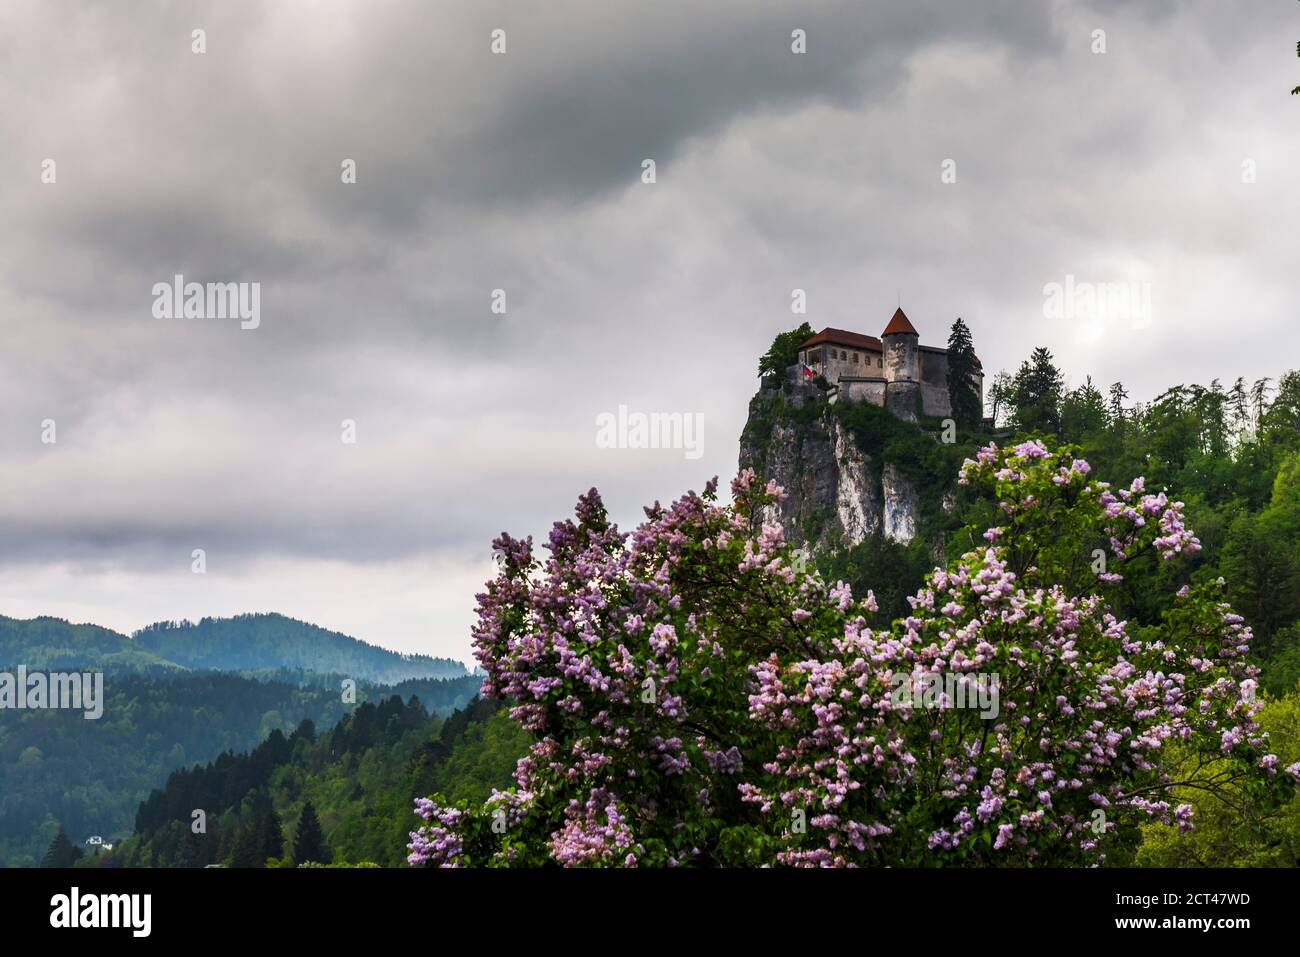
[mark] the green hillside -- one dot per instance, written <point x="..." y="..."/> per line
<point x="270" y="641"/>
<point x="358" y="777"/>
<point x="52" y="644"/>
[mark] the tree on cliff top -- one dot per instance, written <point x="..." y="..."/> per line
<point x="1036" y="394"/>
<point x="784" y="351"/>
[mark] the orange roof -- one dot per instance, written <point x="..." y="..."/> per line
<point x="842" y="337"/>
<point x="899" y="324"/>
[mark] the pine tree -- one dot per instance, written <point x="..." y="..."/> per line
<point x="1083" y="413"/>
<point x="1239" y="407"/>
<point x="1259" y="398"/>
<point x="248" y="846"/>
<point x="191" y="852"/>
<point x="963" y="377"/>
<point x="1037" y="393"/>
<point x="61" y="852"/>
<point x="308" y="841"/>
<point x="1117" y="396"/>
<point x="270" y="834"/>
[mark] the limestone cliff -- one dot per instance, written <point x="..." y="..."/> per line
<point x="850" y="472"/>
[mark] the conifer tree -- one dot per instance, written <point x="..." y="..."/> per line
<point x="1083" y="413"/>
<point x="270" y="834"/>
<point x="963" y="377"/>
<point x="1117" y="396"/>
<point x="61" y="852"/>
<point x="248" y="846"/>
<point x="308" y="841"/>
<point x="1036" y="393"/>
<point x="191" y="852"/>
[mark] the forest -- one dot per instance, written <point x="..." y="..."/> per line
<point x="341" y="797"/>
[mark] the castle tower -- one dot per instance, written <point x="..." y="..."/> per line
<point x="901" y="341"/>
<point x="902" y="366"/>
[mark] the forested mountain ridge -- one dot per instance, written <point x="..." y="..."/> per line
<point x="260" y="641"/>
<point x="52" y="644"/>
<point x="245" y="643"/>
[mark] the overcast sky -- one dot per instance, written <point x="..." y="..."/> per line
<point x="522" y="171"/>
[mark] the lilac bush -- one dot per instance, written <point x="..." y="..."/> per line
<point x="696" y="699"/>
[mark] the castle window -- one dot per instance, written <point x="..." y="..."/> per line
<point x="843" y="354"/>
<point x="855" y="357"/>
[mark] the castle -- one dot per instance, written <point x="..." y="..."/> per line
<point x="894" y="371"/>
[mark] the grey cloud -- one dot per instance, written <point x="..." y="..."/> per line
<point x="521" y="172"/>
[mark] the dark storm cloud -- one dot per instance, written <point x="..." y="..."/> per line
<point x="629" y="87"/>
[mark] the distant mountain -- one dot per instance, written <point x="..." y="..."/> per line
<point x="271" y="642"/>
<point x="52" y="644"/>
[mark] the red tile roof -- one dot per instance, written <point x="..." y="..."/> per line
<point x="842" y="337"/>
<point x="899" y="324"/>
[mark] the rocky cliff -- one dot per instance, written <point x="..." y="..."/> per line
<point x="850" y="471"/>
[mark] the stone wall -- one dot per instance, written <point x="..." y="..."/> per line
<point x="935" y="400"/>
<point x="901" y="398"/>
<point x="859" y="390"/>
<point x="934" y="382"/>
<point x="825" y="360"/>
<point x="934" y="367"/>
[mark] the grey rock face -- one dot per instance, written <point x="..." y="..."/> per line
<point x="837" y="495"/>
<point x="900" y="506"/>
